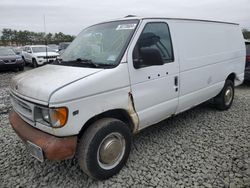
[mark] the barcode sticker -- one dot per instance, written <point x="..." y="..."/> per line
<point x="126" y="26"/>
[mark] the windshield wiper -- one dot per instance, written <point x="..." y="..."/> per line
<point x="76" y="62"/>
<point x="86" y="61"/>
<point x="81" y="62"/>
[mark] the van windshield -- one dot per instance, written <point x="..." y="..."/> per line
<point x="100" y="45"/>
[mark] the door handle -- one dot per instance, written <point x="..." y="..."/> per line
<point x="176" y="80"/>
<point x="176" y="83"/>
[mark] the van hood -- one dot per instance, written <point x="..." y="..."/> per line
<point x="40" y="83"/>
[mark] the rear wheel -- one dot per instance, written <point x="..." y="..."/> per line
<point x="104" y="148"/>
<point x="224" y="100"/>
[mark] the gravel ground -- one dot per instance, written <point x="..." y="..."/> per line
<point x="202" y="147"/>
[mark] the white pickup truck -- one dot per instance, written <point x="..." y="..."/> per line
<point x="119" y="77"/>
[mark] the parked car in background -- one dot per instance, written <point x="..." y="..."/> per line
<point x="9" y="59"/>
<point x="38" y="55"/>
<point x="62" y="46"/>
<point x="18" y="50"/>
<point x="54" y="47"/>
<point x="247" y="69"/>
<point x="119" y="77"/>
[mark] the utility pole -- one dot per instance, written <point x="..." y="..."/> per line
<point x="44" y="24"/>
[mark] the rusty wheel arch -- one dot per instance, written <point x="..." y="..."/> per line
<point x="120" y="114"/>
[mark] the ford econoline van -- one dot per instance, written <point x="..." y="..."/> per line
<point x="119" y="77"/>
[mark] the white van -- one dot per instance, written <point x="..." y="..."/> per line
<point x="119" y="77"/>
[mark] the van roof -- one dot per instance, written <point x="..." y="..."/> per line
<point x="131" y="17"/>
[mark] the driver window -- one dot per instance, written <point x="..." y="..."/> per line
<point x="154" y="44"/>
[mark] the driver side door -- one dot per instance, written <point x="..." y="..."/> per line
<point x="154" y="85"/>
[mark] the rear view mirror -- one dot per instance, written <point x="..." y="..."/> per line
<point x="148" y="57"/>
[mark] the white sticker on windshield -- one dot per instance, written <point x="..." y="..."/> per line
<point x="126" y="26"/>
<point x="111" y="58"/>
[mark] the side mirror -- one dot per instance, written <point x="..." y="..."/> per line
<point x="148" y="57"/>
<point x="29" y="51"/>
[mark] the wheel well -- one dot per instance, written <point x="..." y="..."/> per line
<point x="231" y="77"/>
<point x="120" y="114"/>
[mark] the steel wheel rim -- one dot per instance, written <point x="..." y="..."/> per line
<point x="111" y="151"/>
<point x="228" y="96"/>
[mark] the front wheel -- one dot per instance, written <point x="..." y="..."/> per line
<point x="104" y="148"/>
<point x="224" y="100"/>
<point x="24" y="61"/>
<point x="34" y="63"/>
<point x="21" y="68"/>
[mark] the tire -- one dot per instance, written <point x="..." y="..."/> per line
<point x="34" y="63"/>
<point x="21" y="68"/>
<point x="15" y="69"/>
<point x="104" y="134"/>
<point x="224" y="100"/>
<point x="24" y="61"/>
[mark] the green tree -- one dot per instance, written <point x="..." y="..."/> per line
<point x="49" y="38"/>
<point x="14" y="37"/>
<point x="6" y="36"/>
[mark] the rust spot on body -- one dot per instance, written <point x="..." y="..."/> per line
<point x="54" y="148"/>
<point x="132" y="113"/>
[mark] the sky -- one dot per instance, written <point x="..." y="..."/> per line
<point x="71" y="16"/>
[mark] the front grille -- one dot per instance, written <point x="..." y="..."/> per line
<point x="50" y="57"/>
<point x="22" y="107"/>
<point x="9" y="61"/>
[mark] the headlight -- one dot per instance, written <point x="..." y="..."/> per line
<point x="45" y="114"/>
<point x="56" y="117"/>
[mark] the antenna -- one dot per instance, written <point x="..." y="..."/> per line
<point x="44" y="24"/>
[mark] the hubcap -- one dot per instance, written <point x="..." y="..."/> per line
<point x="111" y="150"/>
<point x="228" y="96"/>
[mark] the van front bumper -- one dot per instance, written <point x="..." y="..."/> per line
<point x="53" y="148"/>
